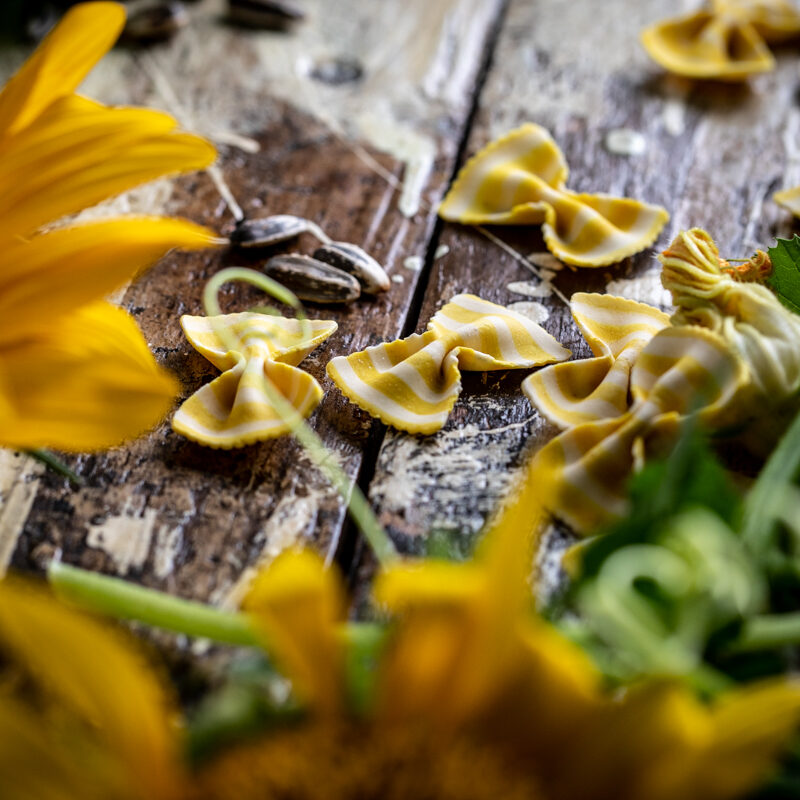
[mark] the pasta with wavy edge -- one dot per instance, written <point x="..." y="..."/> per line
<point x="596" y="388"/>
<point x="412" y="384"/>
<point x="789" y="199"/>
<point x="519" y="180"/>
<point x="591" y="463"/>
<point x="234" y="410"/>
<point x="725" y="41"/>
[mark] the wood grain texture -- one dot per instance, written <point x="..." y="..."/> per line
<point x="355" y="120"/>
<point x="714" y="155"/>
<point x="189" y="519"/>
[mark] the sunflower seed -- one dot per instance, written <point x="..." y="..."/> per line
<point x="156" y="23"/>
<point x="265" y="232"/>
<point x="273" y="15"/>
<point x="313" y="280"/>
<point x="350" y="258"/>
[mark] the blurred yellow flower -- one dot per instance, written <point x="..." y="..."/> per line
<point x="470" y="697"/>
<point x="475" y="697"/>
<point x="75" y="372"/>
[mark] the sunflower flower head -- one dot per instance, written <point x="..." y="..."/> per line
<point x="76" y="371"/>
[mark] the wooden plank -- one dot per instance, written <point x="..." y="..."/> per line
<point x="714" y="155"/>
<point x="192" y="520"/>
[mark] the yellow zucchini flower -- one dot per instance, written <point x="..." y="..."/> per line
<point x="75" y="371"/>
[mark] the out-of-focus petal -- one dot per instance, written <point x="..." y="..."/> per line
<point x="62" y="61"/>
<point x="56" y="272"/>
<point x="87" y="384"/>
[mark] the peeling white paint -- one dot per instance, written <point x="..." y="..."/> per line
<point x="645" y="288"/>
<point x="126" y="538"/>
<point x="167" y="547"/>
<point x="19" y="483"/>
<point x="415" y="150"/>
<point x="530" y="309"/>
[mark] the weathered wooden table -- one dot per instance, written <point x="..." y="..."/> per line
<point x="358" y="119"/>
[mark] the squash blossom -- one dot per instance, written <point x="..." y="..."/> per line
<point x="759" y="329"/>
<point x="471" y="696"/>
<point x="75" y="371"/>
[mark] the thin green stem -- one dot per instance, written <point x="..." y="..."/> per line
<point x="118" y="598"/>
<point x="121" y="599"/>
<point x="57" y="465"/>
<point x="767" y="632"/>
<point x="357" y="504"/>
<point x="764" y="499"/>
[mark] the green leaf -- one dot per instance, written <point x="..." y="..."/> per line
<point x="785" y="277"/>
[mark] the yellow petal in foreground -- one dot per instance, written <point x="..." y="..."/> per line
<point x="114" y="716"/>
<point x="53" y="273"/>
<point x="78" y="153"/>
<point x="519" y="180"/>
<point x="88" y="383"/>
<point x="84" y="35"/>
<point x="298" y="604"/>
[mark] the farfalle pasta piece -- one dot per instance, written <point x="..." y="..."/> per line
<point x="789" y="199"/>
<point x="591" y="463"/>
<point x="412" y="384"/>
<point x="519" y="180"/>
<point x="251" y="349"/>
<point x="596" y="388"/>
<point x="727" y="40"/>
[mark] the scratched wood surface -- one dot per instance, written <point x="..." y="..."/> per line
<point x="356" y="120"/>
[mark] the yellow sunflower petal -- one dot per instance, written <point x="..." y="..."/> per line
<point x="78" y="153"/>
<point x="56" y="272"/>
<point x="61" y="62"/>
<point x="96" y="676"/>
<point x="299" y="604"/>
<point x="88" y="384"/>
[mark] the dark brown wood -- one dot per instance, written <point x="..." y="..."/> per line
<point x="189" y="519"/>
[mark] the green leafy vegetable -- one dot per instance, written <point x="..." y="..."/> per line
<point x="785" y="277"/>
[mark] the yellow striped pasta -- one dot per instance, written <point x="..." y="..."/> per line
<point x="597" y="388"/>
<point x="234" y="410"/>
<point x="678" y="370"/>
<point x="725" y="41"/>
<point x="519" y="180"/>
<point x="412" y="384"/>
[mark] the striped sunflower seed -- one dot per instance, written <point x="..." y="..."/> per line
<point x="257" y="233"/>
<point x="313" y="280"/>
<point x="272" y="15"/>
<point x="155" y="23"/>
<point x="352" y="259"/>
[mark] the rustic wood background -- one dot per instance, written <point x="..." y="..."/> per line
<point x="358" y="119"/>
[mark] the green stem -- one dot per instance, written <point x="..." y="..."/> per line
<point x="57" y="465"/>
<point x="759" y="523"/>
<point x="124" y="600"/>
<point x="357" y="504"/>
<point x="766" y="632"/>
<point x="121" y="599"/>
